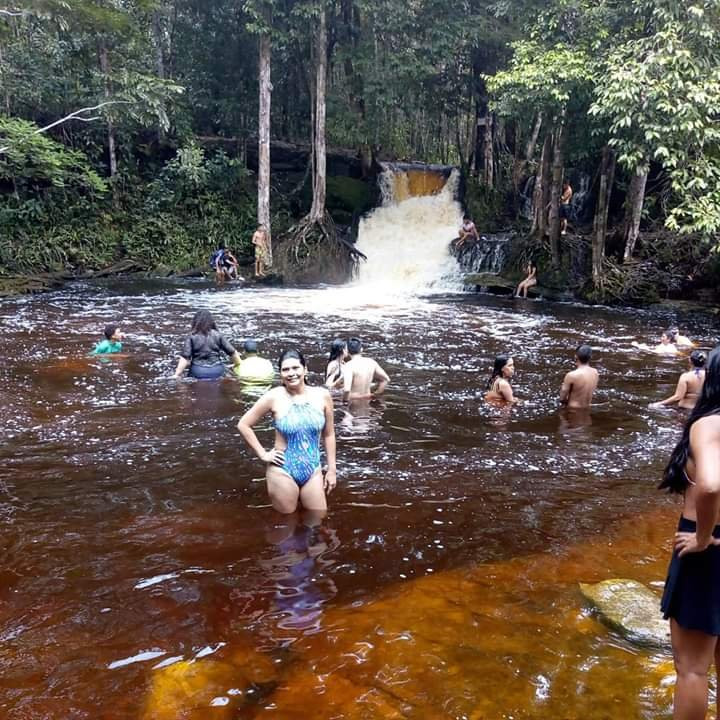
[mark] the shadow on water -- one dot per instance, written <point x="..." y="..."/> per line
<point x="145" y="576"/>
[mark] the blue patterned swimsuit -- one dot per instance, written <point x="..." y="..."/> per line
<point x="301" y="426"/>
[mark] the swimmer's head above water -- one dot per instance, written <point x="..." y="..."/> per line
<point x="293" y="370"/>
<point x="338" y="350"/>
<point x="354" y="346"/>
<point x="697" y="359"/>
<point x="504" y="367"/>
<point x="112" y="333"/>
<point x="202" y="323"/>
<point x="250" y="347"/>
<point x="583" y="353"/>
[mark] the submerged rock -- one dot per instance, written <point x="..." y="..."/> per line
<point x="630" y="608"/>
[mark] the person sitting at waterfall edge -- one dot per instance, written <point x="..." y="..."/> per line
<point x="467" y="231"/>
<point x="498" y="387"/>
<point x="691" y="599"/>
<point x="203" y="348"/>
<point x="579" y="384"/>
<point x="360" y="373"/>
<point x="689" y="385"/>
<point x="301" y="415"/>
<point x="565" y="198"/>
<point x="112" y="342"/>
<point x="529" y="281"/>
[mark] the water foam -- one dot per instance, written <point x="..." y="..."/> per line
<point x="406" y="240"/>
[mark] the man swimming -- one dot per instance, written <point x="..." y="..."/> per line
<point x="360" y="372"/>
<point x="579" y="384"/>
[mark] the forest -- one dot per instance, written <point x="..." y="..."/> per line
<point x="156" y="130"/>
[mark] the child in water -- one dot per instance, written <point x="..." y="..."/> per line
<point x="112" y="342"/>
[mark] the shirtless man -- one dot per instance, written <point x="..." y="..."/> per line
<point x="565" y="198"/>
<point x="579" y="385"/>
<point x="360" y="372"/>
<point x="259" y="240"/>
<point x="468" y="231"/>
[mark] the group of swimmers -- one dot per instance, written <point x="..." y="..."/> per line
<point x="303" y="417"/>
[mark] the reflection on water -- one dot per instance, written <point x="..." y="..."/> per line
<point x="144" y="574"/>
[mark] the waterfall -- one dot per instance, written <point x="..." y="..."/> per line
<point x="489" y="255"/>
<point x="406" y="239"/>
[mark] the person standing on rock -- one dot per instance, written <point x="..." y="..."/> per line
<point x="262" y="259"/>
<point x="565" y="198"/>
<point x="692" y="590"/>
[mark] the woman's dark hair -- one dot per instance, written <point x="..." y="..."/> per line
<point x="500" y="362"/>
<point x="202" y="323"/>
<point x="337" y="350"/>
<point x="110" y="330"/>
<point x="697" y="358"/>
<point x="285" y="354"/>
<point x="674" y="478"/>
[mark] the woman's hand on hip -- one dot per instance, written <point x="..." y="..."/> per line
<point x="687" y="542"/>
<point x="274" y="457"/>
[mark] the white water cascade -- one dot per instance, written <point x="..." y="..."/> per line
<point x="406" y="239"/>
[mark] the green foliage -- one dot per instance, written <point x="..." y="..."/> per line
<point x="660" y="95"/>
<point x="34" y="162"/>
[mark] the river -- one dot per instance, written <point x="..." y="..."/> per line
<point x="145" y="576"/>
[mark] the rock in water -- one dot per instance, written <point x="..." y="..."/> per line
<point x="630" y="608"/>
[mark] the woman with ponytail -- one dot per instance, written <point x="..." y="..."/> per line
<point x="692" y="590"/>
<point x="689" y="384"/>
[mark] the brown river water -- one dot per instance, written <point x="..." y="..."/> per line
<point x="144" y="575"/>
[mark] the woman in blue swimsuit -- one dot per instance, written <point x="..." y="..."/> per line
<point x="302" y="414"/>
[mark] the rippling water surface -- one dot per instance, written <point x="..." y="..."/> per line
<point x="144" y="574"/>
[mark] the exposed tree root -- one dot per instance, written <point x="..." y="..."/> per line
<point x="313" y="251"/>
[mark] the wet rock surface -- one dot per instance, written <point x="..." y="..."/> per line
<point x="630" y="608"/>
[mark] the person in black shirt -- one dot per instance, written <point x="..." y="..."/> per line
<point x="203" y="350"/>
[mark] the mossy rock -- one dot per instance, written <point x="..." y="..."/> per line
<point x="631" y="608"/>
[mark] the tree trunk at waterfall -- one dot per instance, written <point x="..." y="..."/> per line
<point x="263" y="202"/>
<point x="521" y="164"/>
<point x="317" y="211"/>
<point x="532" y="140"/>
<point x="112" y="152"/>
<point x="607" y="176"/>
<point x="541" y="190"/>
<point x="633" y="212"/>
<point x="556" y="190"/>
<point x="488" y="151"/>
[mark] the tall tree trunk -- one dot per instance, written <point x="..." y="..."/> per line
<point x="263" y="203"/>
<point x="105" y="69"/>
<point x="488" y="156"/>
<point x="6" y="93"/>
<point x="633" y="212"/>
<point x="556" y="189"/>
<point x="532" y="140"/>
<point x="317" y="211"/>
<point x="607" y="176"/>
<point x="157" y="26"/>
<point x="540" y="189"/>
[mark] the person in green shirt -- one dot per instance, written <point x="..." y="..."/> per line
<point x="112" y="342"/>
